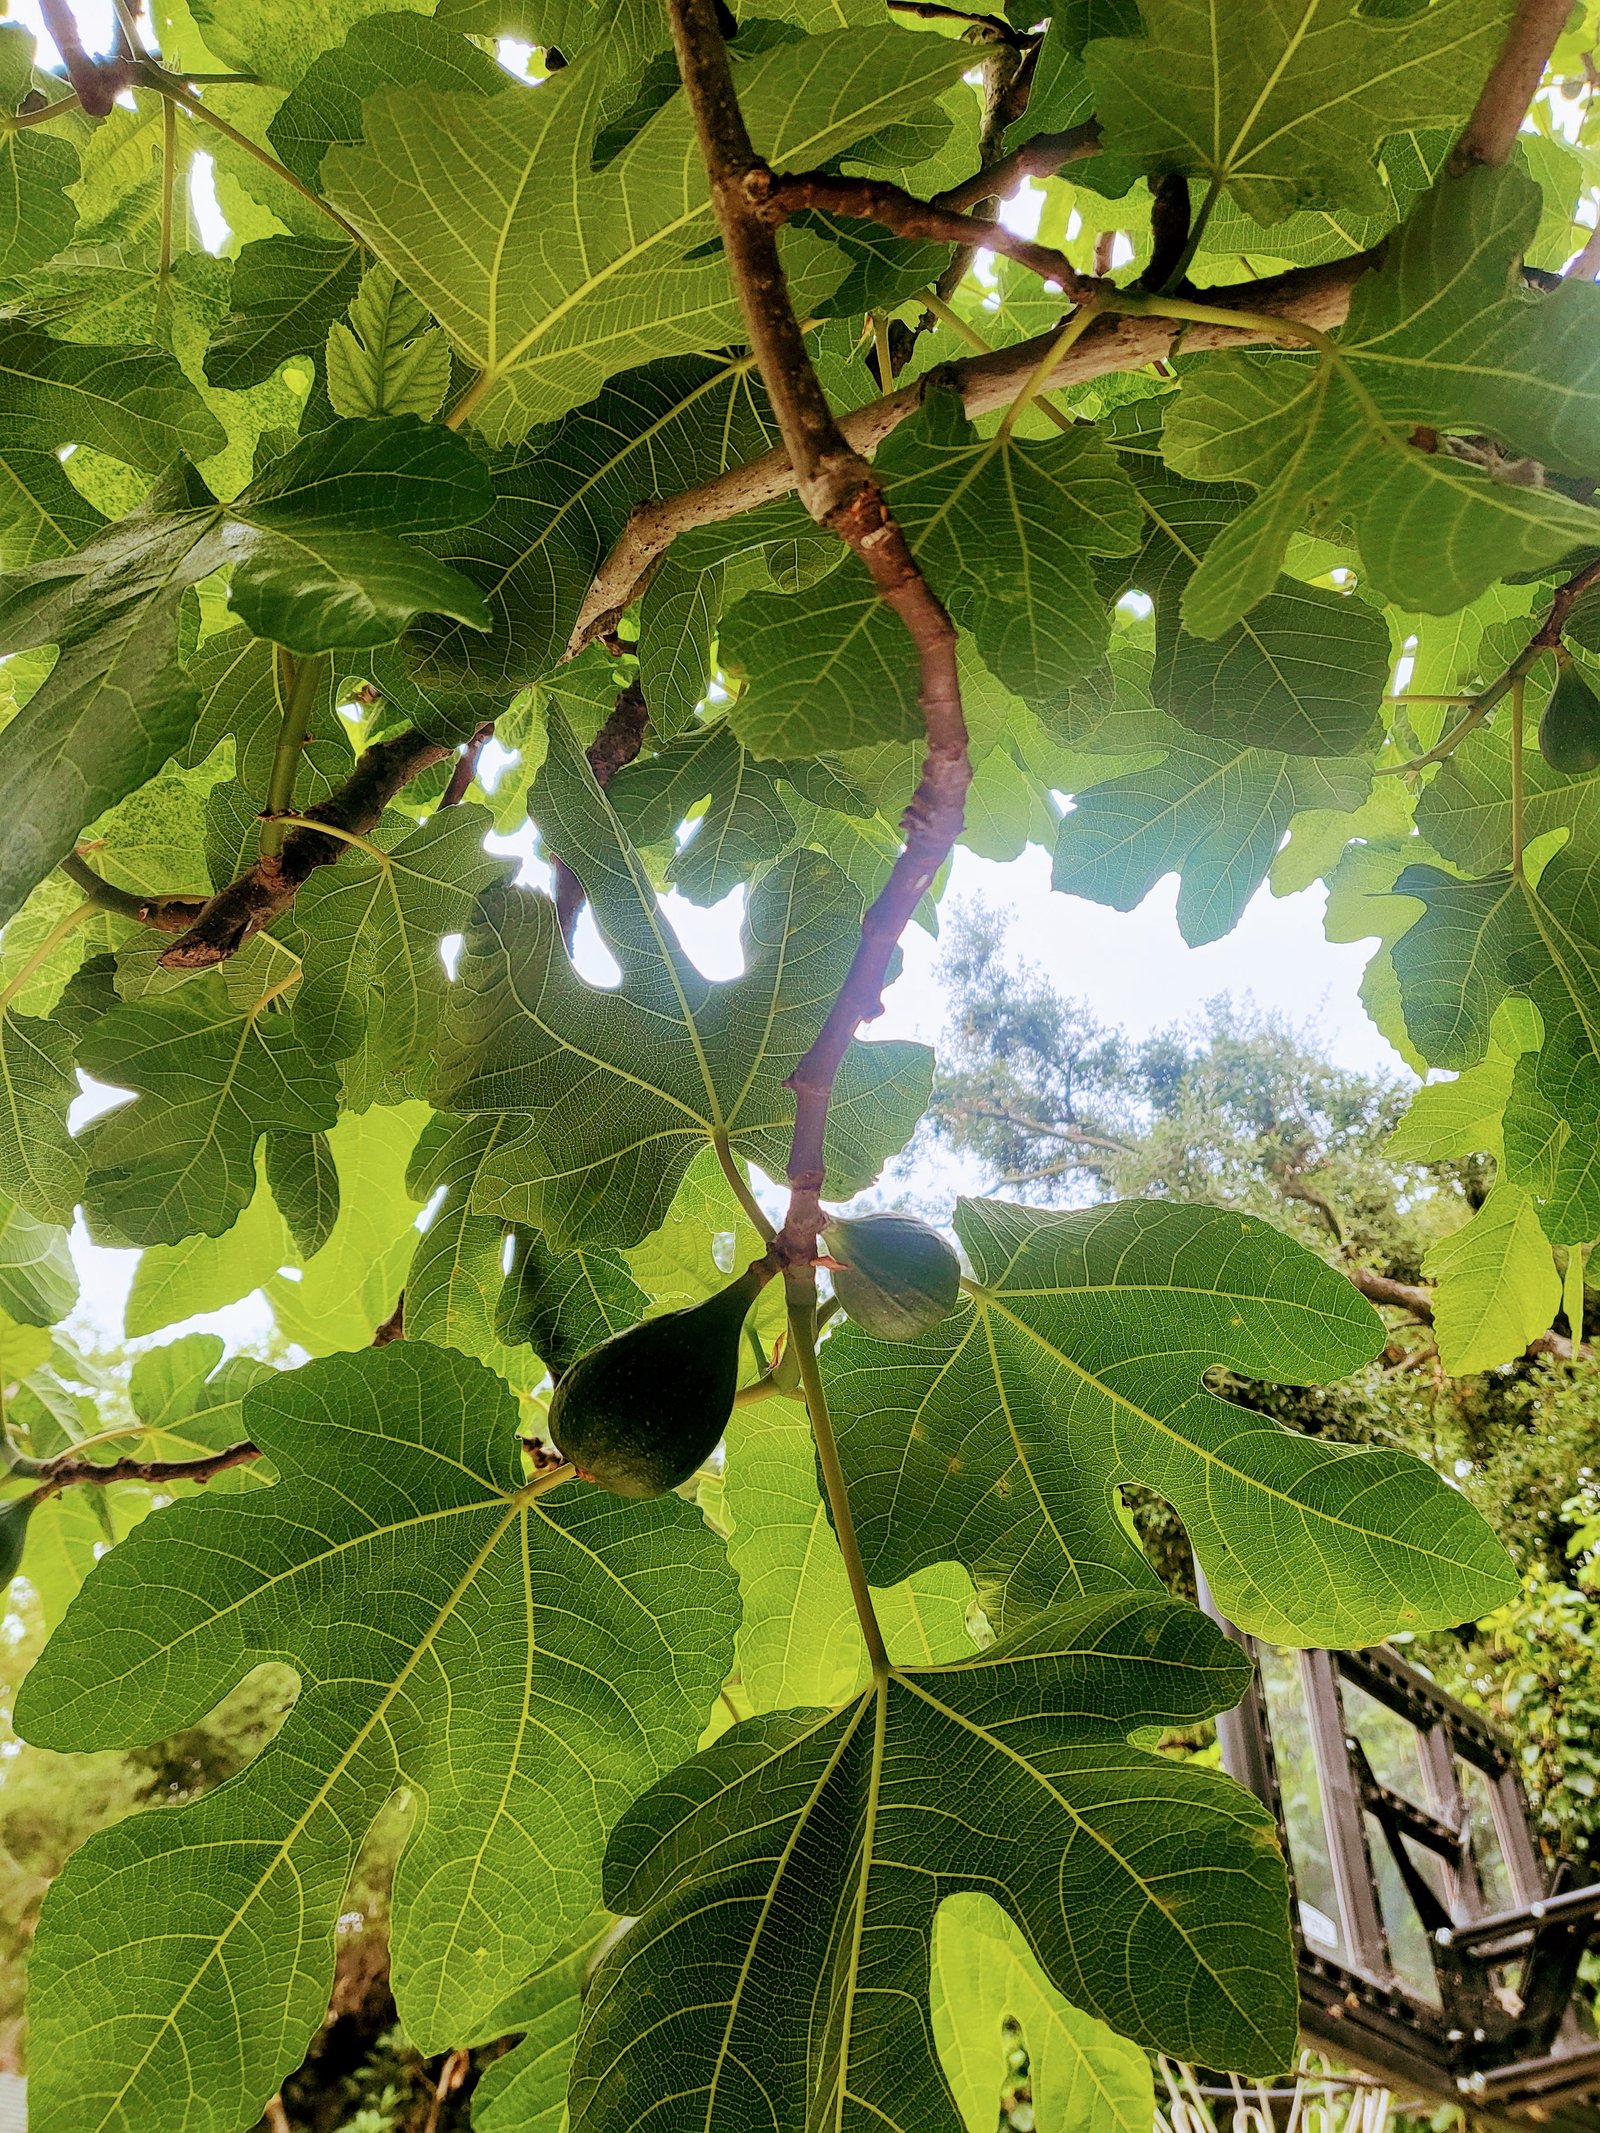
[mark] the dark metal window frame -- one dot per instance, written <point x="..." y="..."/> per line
<point x="1482" y="2043"/>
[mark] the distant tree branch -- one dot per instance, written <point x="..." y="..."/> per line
<point x="1417" y="1302"/>
<point x="840" y="491"/>
<point x="266" y="890"/>
<point x="1502" y="105"/>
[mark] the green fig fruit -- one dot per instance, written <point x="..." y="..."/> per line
<point x="14" y="1518"/>
<point x="1569" y="730"/>
<point x="647" y="1407"/>
<point x="895" y="1276"/>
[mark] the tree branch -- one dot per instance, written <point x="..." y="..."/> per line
<point x="61" y="1473"/>
<point x="1041" y="157"/>
<point x="873" y="200"/>
<point x="266" y="890"/>
<point x="167" y="914"/>
<point x="1544" y="639"/>
<point x="467" y="766"/>
<point x="1317" y="297"/>
<point x="840" y="491"/>
<point x="935" y="11"/>
<point x="98" y="82"/>
<point x="1409" y="1297"/>
<point x="1513" y="81"/>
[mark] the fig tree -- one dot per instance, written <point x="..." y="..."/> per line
<point x="647" y="1407"/>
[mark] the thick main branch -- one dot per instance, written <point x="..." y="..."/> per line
<point x="840" y="491"/>
<point x="1318" y="297"/>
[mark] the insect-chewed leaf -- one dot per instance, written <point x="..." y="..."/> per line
<point x="623" y="1089"/>
<point x="1435" y="341"/>
<point x="786" y="1882"/>
<point x="549" y="274"/>
<point x="1079" y="1363"/>
<point x="399" y="1560"/>
<point x="1293" y="114"/>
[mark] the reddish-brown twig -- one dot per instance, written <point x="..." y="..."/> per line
<point x="839" y="490"/>
<point x="890" y="206"/>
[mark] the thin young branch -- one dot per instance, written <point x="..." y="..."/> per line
<point x="1317" y="297"/>
<point x="1041" y="157"/>
<point x="148" y="75"/>
<point x="266" y="890"/>
<point x="1513" y="81"/>
<point x="301" y="680"/>
<point x="840" y="491"/>
<point x="467" y="766"/>
<point x="394" y="1326"/>
<point x="873" y="200"/>
<point x="63" y="1472"/>
<point x="39" y="114"/>
<point x="935" y="11"/>
<point x="755" y="1214"/>
<point x="1544" y="639"/>
<point x="167" y="914"/>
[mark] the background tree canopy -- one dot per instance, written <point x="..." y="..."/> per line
<point x="630" y="1603"/>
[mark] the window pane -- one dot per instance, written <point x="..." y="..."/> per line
<point x="1302" y="1802"/>
<point x="1494" y="1876"/>
<point x="1408" y="1937"/>
<point x="1390" y="1742"/>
